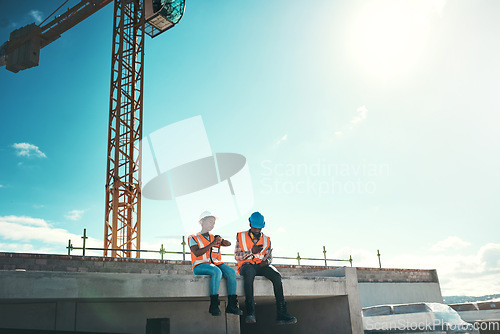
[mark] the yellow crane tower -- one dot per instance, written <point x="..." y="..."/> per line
<point x="132" y="20"/>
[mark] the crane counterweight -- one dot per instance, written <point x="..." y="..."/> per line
<point x="25" y="48"/>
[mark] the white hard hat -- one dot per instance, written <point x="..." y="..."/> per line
<point x="206" y="214"/>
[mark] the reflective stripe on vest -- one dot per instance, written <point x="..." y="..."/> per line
<point x="246" y="244"/>
<point x="204" y="258"/>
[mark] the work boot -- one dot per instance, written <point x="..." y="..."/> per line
<point x="232" y="305"/>
<point x="214" y="305"/>
<point x="282" y="316"/>
<point x="250" y="308"/>
<point x="250" y="319"/>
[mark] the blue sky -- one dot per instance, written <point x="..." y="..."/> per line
<point x="366" y="125"/>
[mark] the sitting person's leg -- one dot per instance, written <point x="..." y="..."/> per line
<point x="212" y="270"/>
<point x="216" y="273"/>
<point x="282" y="315"/>
<point x="230" y="275"/>
<point x="248" y="272"/>
<point x="272" y="274"/>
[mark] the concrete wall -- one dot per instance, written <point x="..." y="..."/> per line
<point x="372" y="294"/>
<point x="327" y="315"/>
<point x="114" y="316"/>
<point x="122" y="302"/>
<point x="397" y="275"/>
<point x="390" y="286"/>
<point x="39" y="285"/>
<point x="397" y="286"/>
<point x="91" y="294"/>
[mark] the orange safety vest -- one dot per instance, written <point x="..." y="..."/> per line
<point x="246" y="243"/>
<point x="205" y="258"/>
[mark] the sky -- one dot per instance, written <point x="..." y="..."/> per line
<point x="366" y="126"/>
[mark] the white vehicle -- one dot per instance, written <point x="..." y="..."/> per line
<point x="478" y="311"/>
<point x="414" y="318"/>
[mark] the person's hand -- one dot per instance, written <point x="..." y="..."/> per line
<point x="217" y="240"/>
<point x="225" y="242"/>
<point x="256" y="249"/>
<point x="264" y="263"/>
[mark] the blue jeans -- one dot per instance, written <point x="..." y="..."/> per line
<point x="217" y="272"/>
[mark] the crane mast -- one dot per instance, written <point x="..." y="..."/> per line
<point x="122" y="216"/>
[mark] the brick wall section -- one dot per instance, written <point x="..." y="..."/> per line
<point x="374" y="275"/>
<point x="70" y="263"/>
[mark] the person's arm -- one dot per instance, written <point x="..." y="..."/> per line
<point x="239" y="254"/>
<point x="268" y="256"/>
<point x="197" y="251"/>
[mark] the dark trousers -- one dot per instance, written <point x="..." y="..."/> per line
<point x="249" y="271"/>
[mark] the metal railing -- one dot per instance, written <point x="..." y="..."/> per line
<point x="163" y="251"/>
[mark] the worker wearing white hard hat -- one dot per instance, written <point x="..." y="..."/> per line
<point x="206" y="260"/>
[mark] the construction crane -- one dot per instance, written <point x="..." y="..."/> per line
<point x="132" y="20"/>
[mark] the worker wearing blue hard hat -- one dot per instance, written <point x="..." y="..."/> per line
<point x="254" y="255"/>
<point x="257" y="220"/>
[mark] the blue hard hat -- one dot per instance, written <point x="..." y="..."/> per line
<point x="257" y="220"/>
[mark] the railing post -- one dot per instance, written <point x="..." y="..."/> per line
<point x="350" y="260"/>
<point x="183" y="249"/>
<point x="298" y="258"/>
<point x="379" y="263"/>
<point x="162" y="251"/>
<point x="70" y="246"/>
<point x="84" y="239"/>
<point x="324" y="254"/>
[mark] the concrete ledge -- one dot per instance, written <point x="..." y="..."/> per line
<point x="39" y="285"/>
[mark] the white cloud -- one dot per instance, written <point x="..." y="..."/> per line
<point x="37" y="15"/>
<point x="280" y="141"/>
<point x="74" y="215"/>
<point x="489" y="257"/>
<point x="23" y="220"/>
<point x="450" y="243"/>
<point x="27" y="234"/>
<point x="361" y="114"/>
<point x="27" y="228"/>
<point x="1" y="185"/>
<point x="34" y="235"/>
<point x="25" y="248"/>
<point x="28" y="150"/>
<point x="475" y="274"/>
<point x="362" y="111"/>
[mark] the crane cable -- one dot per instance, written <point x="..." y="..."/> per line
<point x="65" y="2"/>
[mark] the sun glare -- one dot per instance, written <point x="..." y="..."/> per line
<point x="388" y="37"/>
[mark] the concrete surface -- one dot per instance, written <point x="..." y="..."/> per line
<point x="123" y="302"/>
<point x="110" y="295"/>
<point x="39" y="285"/>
